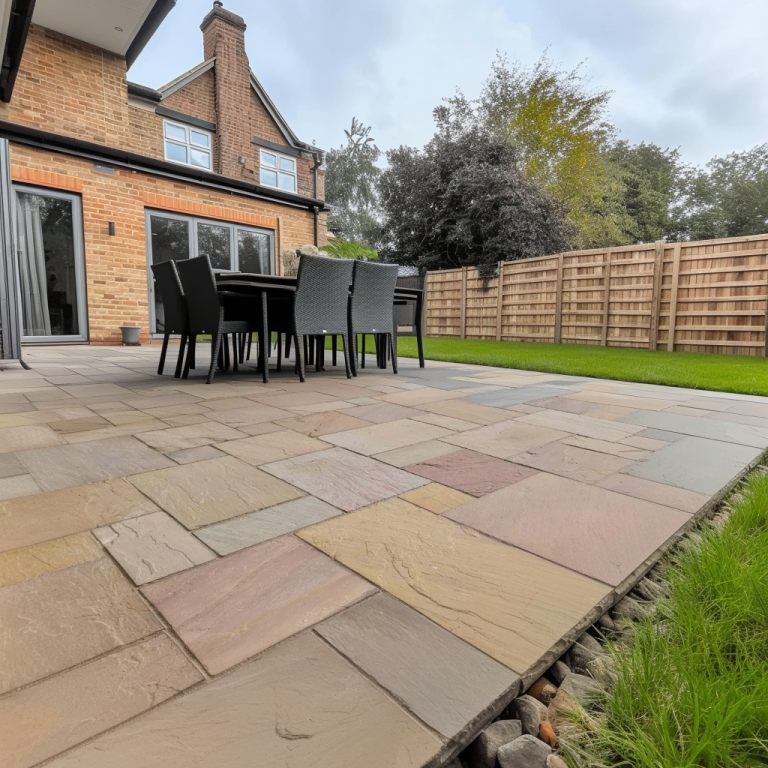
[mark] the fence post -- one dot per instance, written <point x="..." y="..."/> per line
<point x="658" y="265"/>
<point x="500" y="301"/>
<point x="673" y="297"/>
<point x="559" y="300"/>
<point x="425" y="306"/>
<point x="607" y="301"/>
<point x="463" y="321"/>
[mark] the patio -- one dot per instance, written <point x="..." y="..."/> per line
<point x="337" y="573"/>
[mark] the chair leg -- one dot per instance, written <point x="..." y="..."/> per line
<point x="215" y="349"/>
<point x="162" y="354"/>
<point x="280" y="350"/>
<point x="362" y="364"/>
<point x="287" y="345"/>
<point x="352" y="351"/>
<point x="300" y="349"/>
<point x="334" y="340"/>
<point x="250" y="342"/>
<point x="319" y="353"/>
<point x="393" y="348"/>
<point x="236" y="353"/>
<point x="190" y="356"/>
<point x="311" y="350"/>
<point x="345" y="340"/>
<point x="180" y="361"/>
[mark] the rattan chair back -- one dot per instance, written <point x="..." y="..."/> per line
<point x="199" y="286"/>
<point x="322" y="295"/>
<point x="171" y="294"/>
<point x="373" y="290"/>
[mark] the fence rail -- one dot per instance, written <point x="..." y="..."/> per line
<point x="706" y="296"/>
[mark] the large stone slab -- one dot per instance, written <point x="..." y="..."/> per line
<point x="25" y="438"/>
<point x="510" y="604"/>
<point x="724" y="431"/>
<point x="152" y="546"/>
<point x="255" y="413"/>
<point x="414" y="454"/>
<point x="418" y="397"/>
<point x="33" y="519"/>
<point x="210" y="491"/>
<point x="319" y="424"/>
<point x="379" y="412"/>
<point x="40" y="721"/>
<point x="591" y="530"/>
<point x="63" y="618"/>
<point x="586" y="466"/>
<point x="505" y="439"/>
<point x="235" y="607"/>
<point x="658" y="493"/>
<point x="471" y="472"/>
<point x="69" y="465"/>
<point x="273" y="446"/>
<point x="702" y="466"/>
<point x="436" y="498"/>
<point x="193" y="436"/>
<point x="447" y="683"/>
<point x="461" y="409"/>
<point x="247" y="530"/>
<point x="299" y="705"/>
<point x="344" y="479"/>
<point x="388" y="436"/>
<point x="503" y="398"/>
<point x="579" y="424"/>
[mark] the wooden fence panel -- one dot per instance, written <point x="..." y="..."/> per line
<point x="708" y="296"/>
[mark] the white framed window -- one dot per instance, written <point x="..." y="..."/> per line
<point x="278" y="171"/>
<point x="187" y="145"/>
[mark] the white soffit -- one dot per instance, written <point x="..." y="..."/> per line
<point x="108" y="24"/>
<point x="5" y="16"/>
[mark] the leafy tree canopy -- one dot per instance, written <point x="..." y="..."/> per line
<point x="351" y="179"/>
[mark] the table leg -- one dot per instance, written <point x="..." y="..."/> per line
<point x="266" y="339"/>
<point x="419" y="339"/>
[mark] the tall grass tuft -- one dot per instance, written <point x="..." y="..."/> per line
<point x="692" y="687"/>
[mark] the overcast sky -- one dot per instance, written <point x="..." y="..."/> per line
<point x="684" y="73"/>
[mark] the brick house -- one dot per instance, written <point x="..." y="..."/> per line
<point x="107" y="176"/>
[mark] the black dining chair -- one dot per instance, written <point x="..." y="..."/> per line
<point x="206" y="309"/>
<point x="175" y="316"/>
<point x="370" y="308"/>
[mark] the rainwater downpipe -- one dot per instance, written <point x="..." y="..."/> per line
<point x="315" y="167"/>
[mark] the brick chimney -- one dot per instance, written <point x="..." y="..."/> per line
<point x="224" y="38"/>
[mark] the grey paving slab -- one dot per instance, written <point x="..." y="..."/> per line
<point x="699" y="465"/>
<point x="660" y="434"/>
<point x="244" y="531"/>
<point x="447" y="683"/>
<point x="725" y="431"/>
<point x="518" y="395"/>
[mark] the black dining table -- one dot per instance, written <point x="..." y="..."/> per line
<point x="276" y="286"/>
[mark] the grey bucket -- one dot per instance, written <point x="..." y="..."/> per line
<point x="131" y="333"/>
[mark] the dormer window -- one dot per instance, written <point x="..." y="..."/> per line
<point x="187" y="145"/>
<point x="278" y="171"/>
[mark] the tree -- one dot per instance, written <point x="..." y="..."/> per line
<point x="730" y="198"/>
<point x="351" y="179"/>
<point x="464" y="200"/>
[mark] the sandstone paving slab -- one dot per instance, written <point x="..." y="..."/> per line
<point x="662" y="435"/>
<point x="460" y="409"/>
<point x="621" y="449"/>
<point x="644" y="443"/>
<point x="586" y="466"/>
<point x="579" y="424"/>
<point x="590" y="530"/>
<point x="635" y="400"/>
<point x="25" y="438"/>
<point x="389" y="436"/>
<point x="191" y="455"/>
<point x="78" y="425"/>
<point x="52" y="622"/>
<point x="210" y="491"/>
<point x="10" y="465"/>
<point x="506" y="438"/>
<point x="414" y="454"/>
<point x="417" y="397"/>
<point x="296" y="399"/>
<point x="40" y="721"/>
<point x="436" y="498"/>
<point x="737" y="418"/>
<point x="471" y="472"/>
<point x="658" y="493"/>
<point x="380" y="412"/>
<point x="300" y="704"/>
<point x="344" y="479"/>
<point x="255" y="413"/>
<point x="515" y="396"/>
<point x="235" y="607"/>
<point x="70" y="465"/>
<point x="749" y="409"/>
<point x="247" y="530"/>
<point x="33" y="519"/>
<point x="611" y="412"/>
<point x="96" y="390"/>
<point x="150" y="547"/>
<point x="319" y="424"/>
<point x="447" y="683"/>
<point x="564" y="403"/>
<point x="696" y="464"/>
<point x="510" y="604"/>
<point x="194" y="436"/>
<point x="46" y="557"/>
<point x="455" y="425"/>
<point x="19" y="485"/>
<point x="724" y="431"/>
<point x="272" y="446"/>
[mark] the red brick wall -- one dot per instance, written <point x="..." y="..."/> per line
<point x="197" y="98"/>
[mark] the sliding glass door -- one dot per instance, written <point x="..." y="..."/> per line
<point x="51" y="265"/>
<point x="230" y="247"/>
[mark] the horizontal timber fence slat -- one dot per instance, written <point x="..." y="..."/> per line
<point x="706" y="296"/>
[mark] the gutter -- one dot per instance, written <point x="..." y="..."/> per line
<point x="154" y="19"/>
<point x="16" y="39"/>
<point x="86" y="150"/>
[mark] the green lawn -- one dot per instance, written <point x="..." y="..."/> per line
<point x="722" y="373"/>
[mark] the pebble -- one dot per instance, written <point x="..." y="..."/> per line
<point x="558" y="671"/>
<point x="487" y="744"/>
<point x="532" y="714"/>
<point x="525" y="752"/>
<point x="555" y="761"/>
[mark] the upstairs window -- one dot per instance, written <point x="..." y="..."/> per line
<point x="187" y="145"/>
<point x="278" y="171"/>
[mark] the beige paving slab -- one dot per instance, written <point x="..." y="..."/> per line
<point x="255" y="413"/>
<point x="194" y="436"/>
<point x="40" y="721"/>
<point x="33" y="519"/>
<point x="590" y="530"/>
<point x="626" y="401"/>
<point x="152" y="546"/>
<point x="54" y="621"/>
<point x="417" y="397"/>
<point x="622" y="449"/>
<point x="235" y="607"/>
<point x="125" y="418"/>
<point x="561" y="459"/>
<point x="273" y="446"/>
<point x="389" y="436"/>
<point x="458" y="409"/>
<point x="447" y="422"/>
<point x="25" y="438"/>
<point x="578" y="424"/>
<point x="644" y="443"/>
<point x="78" y="425"/>
<point x="436" y="498"/>
<point x="299" y="705"/>
<point x="207" y="492"/>
<point x="505" y="439"/>
<point x="415" y="454"/>
<point x="611" y="412"/>
<point x="295" y="399"/>
<point x="378" y="412"/>
<point x="334" y="405"/>
<point x="319" y="424"/>
<point x="28" y="562"/>
<point x="658" y="493"/>
<point x="508" y="603"/>
<point x="191" y="455"/>
<point x="19" y="485"/>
